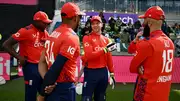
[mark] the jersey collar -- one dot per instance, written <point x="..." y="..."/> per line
<point x="36" y="28"/>
<point x="156" y="33"/>
<point x="68" y="28"/>
<point x="93" y="33"/>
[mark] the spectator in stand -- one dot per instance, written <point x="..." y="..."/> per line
<point x="131" y="30"/>
<point x="118" y="23"/>
<point x="112" y="23"/>
<point x="103" y="21"/>
<point x="165" y="28"/>
<point x="137" y="26"/>
<point x="88" y="22"/>
<point x="86" y="30"/>
<point x="176" y="28"/>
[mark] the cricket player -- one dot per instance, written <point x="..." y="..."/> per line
<point x="31" y="41"/>
<point x="153" y="61"/>
<point x="97" y="50"/>
<point x="58" y="61"/>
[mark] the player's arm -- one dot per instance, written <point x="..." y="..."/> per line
<point x="144" y="49"/>
<point x="52" y="74"/>
<point x="84" y="60"/>
<point x="54" y="71"/>
<point x="82" y="69"/>
<point x="8" y="46"/>
<point x="80" y="74"/>
<point x="84" y="63"/>
<point x="132" y="48"/>
<point x="111" y="68"/>
<point x="110" y="64"/>
<point x="88" y="49"/>
<point x="42" y="66"/>
<point x="14" y="39"/>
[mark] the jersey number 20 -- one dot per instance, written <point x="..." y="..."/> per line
<point x="167" y="61"/>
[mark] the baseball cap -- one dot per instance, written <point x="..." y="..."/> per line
<point x="154" y="12"/>
<point x="71" y="9"/>
<point x="96" y="18"/>
<point x="42" y="16"/>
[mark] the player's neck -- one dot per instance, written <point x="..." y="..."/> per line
<point x="69" y="25"/>
<point x="42" y="30"/>
<point x="97" y="33"/>
<point x="154" y="28"/>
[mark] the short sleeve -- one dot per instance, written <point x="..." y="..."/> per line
<point x="21" y="35"/>
<point x="68" y="48"/>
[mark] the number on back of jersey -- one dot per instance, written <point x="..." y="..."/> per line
<point x="50" y="56"/>
<point x="167" y="61"/>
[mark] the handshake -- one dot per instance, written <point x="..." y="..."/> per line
<point x="110" y="47"/>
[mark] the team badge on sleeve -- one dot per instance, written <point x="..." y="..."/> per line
<point x="17" y="34"/>
<point x="86" y="44"/>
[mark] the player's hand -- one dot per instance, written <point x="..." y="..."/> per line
<point x="49" y="88"/>
<point x="110" y="47"/>
<point x="40" y="98"/>
<point x="141" y="70"/>
<point x="22" y="61"/>
<point x="112" y="80"/>
<point x="138" y="36"/>
<point x="76" y="83"/>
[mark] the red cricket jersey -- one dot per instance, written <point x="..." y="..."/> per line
<point x="93" y="48"/>
<point x="31" y="42"/>
<point x="156" y="57"/>
<point x="132" y="46"/>
<point x="63" y="41"/>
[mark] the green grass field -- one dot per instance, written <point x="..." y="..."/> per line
<point x="14" y="91"/>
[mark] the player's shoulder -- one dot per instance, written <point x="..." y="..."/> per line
<point x="65" y="31"/>
<point x="55" y="34"/>
<point x="26" y="29"/>
<point x="144" y="43"/>
<point x="106" y="39"/>
<point x="29" y="27"/>
<point x="86" y="38"/>
<point x="144" y="40"/>
<point x="69" y="36"/>
<point x="168" y="42"/>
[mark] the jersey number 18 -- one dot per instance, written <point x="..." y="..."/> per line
<point x="167" y="61"/>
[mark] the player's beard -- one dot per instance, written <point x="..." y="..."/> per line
<point x="146" y="31"/>
<point x="76" y="29"/>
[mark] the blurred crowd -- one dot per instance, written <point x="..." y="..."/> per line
<point x="114" y="28"/>
<point x="123" y="33"/>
